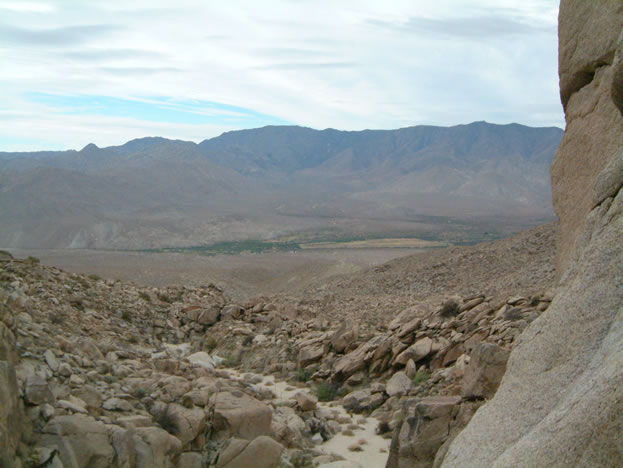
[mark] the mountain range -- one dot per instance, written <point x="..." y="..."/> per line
<point x="274" y="181"/>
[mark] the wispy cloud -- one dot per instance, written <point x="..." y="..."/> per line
<point x="69" y="35"/>
<point x="27" y="7"/>
<point x="483" y="27"/>
<point x="97" y="55"/>
<point x="351" y="64"/>
<point x="305" y="65"/>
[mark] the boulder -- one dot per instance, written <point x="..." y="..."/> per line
<point x="36" y="391"/>
<point x="588" y="37"/>
<point x="261" y="452"/>
<point x="231" y="312"/>
<point x="357" y="360"/>
<point x="209" y="316"/>
<point x="425" y="429"/>
<point x="190" y="460"/>
<point x="117" y="404"/>
<point x="344" y="336"/>
<point x="187" y="423"/>
<point x="236" y="414"/>
<point x="202" y="359"/>
<point x="485" y="370"/>
<point x="82" y="441"/>
<point x="306" y="401"/>
<point x="125" y="449"/>
<point x="419" y="350"/>
<point x="398" y="385"/>
<point x="11" y="419"/>
<point x="310" y="354"/>
<point x="561" y="400"/>
<point x="155" y="447"/>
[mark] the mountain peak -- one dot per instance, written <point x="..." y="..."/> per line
<point x="90" y="147"/>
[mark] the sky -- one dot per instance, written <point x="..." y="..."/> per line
<point x="74" y="72"/>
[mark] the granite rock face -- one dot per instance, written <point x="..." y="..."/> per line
<point x="588" y="38"/>
<point x="560" y="402"/>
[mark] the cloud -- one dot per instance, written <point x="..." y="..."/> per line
<point x="481" y="27"/>
<point x="28" y="7"/>
<point x="96" y="55"/>
<point x="69" y="35"/>
<point x="306" y="66"/>
<point x="350" y="65"/>
<point x="129" y="71"/>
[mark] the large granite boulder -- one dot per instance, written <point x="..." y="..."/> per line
<point x="82" y="441"/>
<point x="236" y="414"/>
<point x="561" y="400"/>
<point x="10" y="413"/>
<point x="261" y="452"/>
<point x="485" y="370"/>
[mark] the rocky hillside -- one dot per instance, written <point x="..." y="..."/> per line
<point x="102" y="373"/>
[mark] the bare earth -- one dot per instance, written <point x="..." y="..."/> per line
<point x="241" y="276"/>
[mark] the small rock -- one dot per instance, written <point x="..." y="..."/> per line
<point x="305" y="401"/>
<point x="117" y="404"/>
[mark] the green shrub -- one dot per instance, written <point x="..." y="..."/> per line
<point x="140" y="392"/>
<point x="303" y="375"/>
<point x="4" y="253"/>
<point x="57" y="318"/>
<point x="450" y="308"/>
<point x="32" y="259"/>
<point x="143" y="295"/>
<point x="125" y="315"/>
<point x="301" y="459"/>
<point x="94" y="277"/>
<point x="232" y="360"/>
<point x="326" y="391"/>
<point x="421" y="376"/>
<point x="165" y="298"/>
<point x="210" y="343"/>
<point x="167" y="422"/>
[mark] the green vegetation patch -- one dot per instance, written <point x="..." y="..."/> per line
<point x="231" y="248"/>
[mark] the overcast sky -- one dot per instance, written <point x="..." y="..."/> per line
<point x="75" y="72"/>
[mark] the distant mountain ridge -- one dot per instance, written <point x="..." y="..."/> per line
<point x="155" y="191"/>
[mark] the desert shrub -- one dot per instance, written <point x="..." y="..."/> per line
<point x="326" y="391"/>
<point x="125" y="315"/>
<point x="210" y="343"/>
<point x="133" y="339"/>
<point x="109" y="379"/>
<point x="83" y="282"/>
<point x="383" y="427"/>
<point x="4" y="253"/>
<point x="166" y="421"/>
<point x="94" y="277"/>
<point x="450" y="308"/>
<point x="303" y="375"/>
<point x="421" y="376"/>
<point x="140" y="392"/>
<point x="165" y="298"/>
<point x="57" y="318"/>
<point x="143" y="295"/>
<point x="300" y="459"/>
<point x="32" y="259"/>
<point x="232" y="360"/>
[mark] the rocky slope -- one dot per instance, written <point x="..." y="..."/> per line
<point x="561" y="400"/>
<point x="102" y="373"/>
